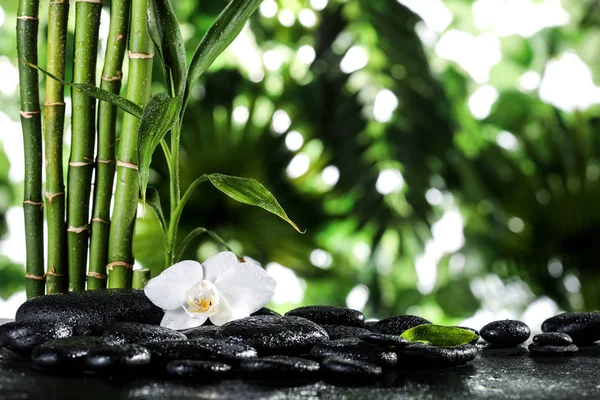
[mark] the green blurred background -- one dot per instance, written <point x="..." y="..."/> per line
<point x="443" y="156"/>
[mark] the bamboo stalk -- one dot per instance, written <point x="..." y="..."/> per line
<point x="120" y="251"/>
<point x="81" y="163"/>
<point x="140" y="278"/>
<point x="27" y="35"/>
<point x="105" y="160"/>
<point x="54" y="121"/>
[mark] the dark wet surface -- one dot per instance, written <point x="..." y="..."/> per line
<point x="494" y="374"/>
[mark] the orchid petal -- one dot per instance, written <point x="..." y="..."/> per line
<point x="245" y="289"/>
<point x="219" y="264"/>
<point x="167" y="290"/>
<point x="222" y="316"/>
<point x="178" y="319"/>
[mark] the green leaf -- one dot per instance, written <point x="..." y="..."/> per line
<point x="249" y="191"/>
<point x="153" y="200"/>
<point x="160" y="114"/>
<point x="439" y="335"/>
<point x="164" y="32"/>
<point x="222" y="32"/>
<point x="97" y="93"/>
<point x="192" y="235"/>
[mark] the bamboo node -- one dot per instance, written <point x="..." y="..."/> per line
<point x="52" y="273"/>
<point x="117" y="77"/>
<point x="113" y="264"/>
<point x="119" y="36"/>
<point x="51" y="196"/>
<point x="34" y="203"/>
<point x="96" y="275"/>
<point x="140" y="55"/>
<point x="103" y="221"/>
<point x="79" y="229"/>
<point x="126" y="165"/>
<point x="58" y="103"/>
<point x="89" y="1"/>
<point x="26" y="17"/>
<point x="80" y="163"/>
<point x="28" y="114"/>
<point x="35" y="277"/>
<point x="105" y="161"/>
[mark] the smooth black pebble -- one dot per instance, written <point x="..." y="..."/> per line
<point x="506" y="332"/>
<point x="537" y="349"/>
<point x="23" y="336"/>
<point x="67" y="353"/>
<point x="270" y="334"/>
<point x="348" y="371"/>
<point x="133" y="332"/>
<point x="583" y="327"/>
<point x="343" y="331"/>
<point x="265" y="311"/>
<point x="117" y="356"/>
<point x="203" y="331"/>
<point x="198" y="369"/>
<point x="383" y="339"/>
<point x="199" y="349"/>
<point x="422" y="355"/>
<point x="398" y="324"/>
<point x="553" y="339"/>
<point x="355" y="349"/>
<point x="329" y="315"/>
<point x="279" y="366"/>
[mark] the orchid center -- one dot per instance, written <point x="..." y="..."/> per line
<point x="202" y="299"/>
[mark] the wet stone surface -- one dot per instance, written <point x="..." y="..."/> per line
<point x="271" y="335"/>
<point x="199" y="349"/>
<point x="24" y="336"/>
<point x="384" y="340"/>
<point x="66" y="353"/>
<point x="505" y="332"/>
<point x="344" y="369"/>
<point x="278" y="366"/>
<point x="549" y="350"/>
<point x="582" y="327"/>
<point x="355" y="349"/>
<point x="91" y="311"/>
<point x="330" y="315"/>
<point x="398" y="324"/>
<point x="265" y="311"/>
<point x="344" y="331"/>
<point x="203" y="331"/>
<point x="553" y="339"/>
<point x="132" y="332"/>
<point x="198" y="369"/>
<point x="112" y="358"/>
<point x="421" y="355"/>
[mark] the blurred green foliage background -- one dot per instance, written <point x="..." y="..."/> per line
<point x="443" y="156"/>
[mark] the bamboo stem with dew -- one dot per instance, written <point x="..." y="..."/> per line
<point x="120" y="253"/>
<point x="105" y="160"/>
<point x="81" y="163"/>
<point x="31" y="123"/>
<point x="54" y="121"/>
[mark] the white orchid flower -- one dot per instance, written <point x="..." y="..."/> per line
<point x="222" y="289"/>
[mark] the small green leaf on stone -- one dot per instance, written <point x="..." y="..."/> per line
<point x="249" y="191"/>
<point x="439" y="335"/>
<point x="160" y="115"/>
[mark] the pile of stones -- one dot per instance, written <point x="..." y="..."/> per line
<point x="117" y="332"/>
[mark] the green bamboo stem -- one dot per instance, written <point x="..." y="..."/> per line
<point x="105" y="160"/>
<point x="54" y="121"/>
<point x="31" y="123"/>
<point x="140" y="278"/>
<point x="120" y="249"/>
<point x="81" y="163"/>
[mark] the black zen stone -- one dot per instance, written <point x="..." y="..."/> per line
<point x="198" y="369"/>
<point x="422" y="355"/>
<point x="329" y="315"/>
<point x="537" y="349"/>
<point x="134" y="332"/>
<point x="553" y="339"/>
<point x="115" y="357"/>
<point x="398" y="324"/>
<point x="350" y="371"/>
<point x="583" y="327"/>
<point x="67" y="353"/>
<point x="199" y="349"/>
<point x="505" y="332"/>
<point x="343" y="331"/>
<point x="24" y="336"/>
<point x="265" y="311"/>
<point x="91" y="311"/>
<point x="384" y="340"/>
<point x="475" y="331"/>
<point x="280" y="366"/>
<point x="355" y="349"/>
<point x="270" y="334"/>
<point x="204" y="331"/>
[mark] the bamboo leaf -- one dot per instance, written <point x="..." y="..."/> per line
<point x="153" y="200"/>
<point x="249" y="191"/>
<point x="97" y="93"/>
<point x="222" y="32"/>
<point x="160" y="114"/>
<point x="163" y="28"/>
<point x="439" y="335"/>
<point x="192" y="235"/>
